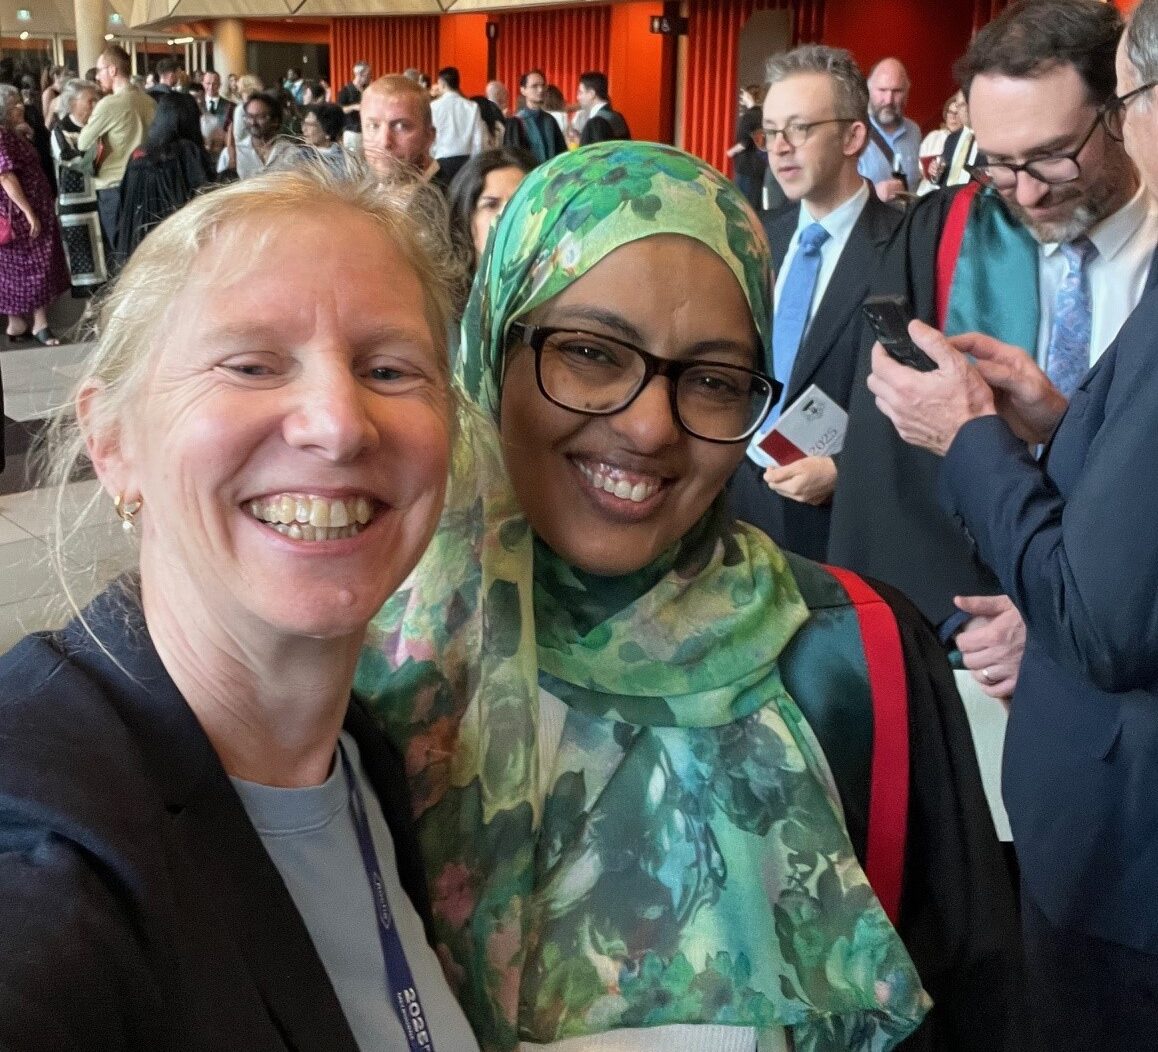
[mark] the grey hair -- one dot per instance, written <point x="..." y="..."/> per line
<point x="8" y="94"/>
<point x="361" y="67"/>
<point x="71" y="91"/>
<point x="1142" y="40"/>
<point x="849" y="89"/>
<point x="129" y="320"/>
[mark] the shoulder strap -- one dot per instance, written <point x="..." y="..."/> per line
<point x="889" y="788"/>
<point x="949" y="247"/>
<point x="881" y="142"/>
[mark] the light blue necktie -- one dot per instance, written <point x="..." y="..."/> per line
<point x="1068" y="356"/>
<point x="791" y="318"/>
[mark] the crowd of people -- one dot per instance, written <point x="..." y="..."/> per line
<point x="120" y="153"/>
<point x="506" y="665"/>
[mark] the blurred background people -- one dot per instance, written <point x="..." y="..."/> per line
<point x="892" y="160"/>
<point x="480" y="192"/>
<point x="350" y="99"/>
<point x="749" y="160"/>
<point x="163" y="175"/>
<point x="323" y="126"/>
<point x="119" y="123"/>
<point x="33" y="271"/>
<point x="76" y="199"/>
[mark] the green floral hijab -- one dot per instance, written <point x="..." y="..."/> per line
<point x="674" y="852"/>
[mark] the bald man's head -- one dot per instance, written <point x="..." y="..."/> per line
<point x="497" y="92"/>
<point x="888" y="85"/>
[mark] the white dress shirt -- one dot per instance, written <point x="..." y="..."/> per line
<point x="1125" y="242"/>
<point x="458" y="126"/>
<point x="839" y="223"/>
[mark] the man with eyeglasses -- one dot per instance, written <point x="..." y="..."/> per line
<point x="1072" y="538"/>
<point x="824" y="252"/>
<point x="1048" y="249"/>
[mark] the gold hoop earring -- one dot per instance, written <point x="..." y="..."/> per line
<point x="126" y="511"/>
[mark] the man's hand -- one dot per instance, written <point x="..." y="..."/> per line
<point x="928" y="409"/>
<point x="887" y="189"/>
<point x="1022" y="393"/>
<point x="810" y="480"/>
<point x="992" y="642"/>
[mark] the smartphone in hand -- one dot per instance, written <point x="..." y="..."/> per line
<point x="889" y="317"/>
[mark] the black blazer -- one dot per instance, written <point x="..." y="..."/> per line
<point x="138" y="907"/>
<point x="1074" y="541"/>
<point x="827" y="358"/>
<point x="886" y="522"/>
<point x="604" y="125"/>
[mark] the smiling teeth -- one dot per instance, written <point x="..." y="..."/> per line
<point x="636" y="492"/>
<point x="307" y="518"/>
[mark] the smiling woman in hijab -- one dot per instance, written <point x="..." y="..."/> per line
<point x="630" y="832"/>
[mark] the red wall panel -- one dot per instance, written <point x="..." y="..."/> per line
<point x="711" y="92"/>
<point x="635" y="67"/>
<point x="562" y="43"/>
<point x="462" y="42"/>
<point x="390" y="45"/>
<point x="927" y="38"/>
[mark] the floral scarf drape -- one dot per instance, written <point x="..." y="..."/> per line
<point x="683" y="858"/>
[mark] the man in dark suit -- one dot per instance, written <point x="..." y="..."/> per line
<point x="815" y="120"/>
<point x="602" y="122"/>
<point x="1072" y="539"/>
<point x="217" y="115"/>
<point x="533" y="128"/>
<point x="1006" y="264"/>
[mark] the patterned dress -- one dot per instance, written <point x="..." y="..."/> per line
<point x="33" y="271"/>
<point x="80" y="227"/>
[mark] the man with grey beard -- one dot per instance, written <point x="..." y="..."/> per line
<point x="1052" y="256"/>
<point x="1072" y="536"/>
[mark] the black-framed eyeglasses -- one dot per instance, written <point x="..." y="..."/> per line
<point x="1053" y="170"/>
<point x="1115" y="109"/>
<point x="796" y="133"/>
<point x="599" y="376"/>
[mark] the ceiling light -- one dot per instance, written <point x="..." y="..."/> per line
<point x="25" y="35"/>
<point x="23" y="15"/>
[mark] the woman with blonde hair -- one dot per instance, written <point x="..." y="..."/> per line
<point x="204" y="844"/>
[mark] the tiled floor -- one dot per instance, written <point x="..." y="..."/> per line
<point x="33" y="593"/>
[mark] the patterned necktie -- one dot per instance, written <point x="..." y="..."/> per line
<point x="1068" y="357"/>
<point x="792" y="312"/>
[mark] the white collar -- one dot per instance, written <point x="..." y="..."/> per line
<point x="1112" y="234"/>
<point x="840" y="221"/>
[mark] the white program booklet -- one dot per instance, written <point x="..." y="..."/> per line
<point x="812" y="426"/>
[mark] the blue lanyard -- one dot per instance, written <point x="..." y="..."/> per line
<point x="399" y="980"/>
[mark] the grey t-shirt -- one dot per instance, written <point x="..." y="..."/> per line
<point x="310" y="836"/>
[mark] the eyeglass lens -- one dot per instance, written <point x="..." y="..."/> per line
<point x="587" y="374"/>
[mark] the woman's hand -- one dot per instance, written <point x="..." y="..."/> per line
<point x="810" y="480"/>
<point x="34" y="227"/>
